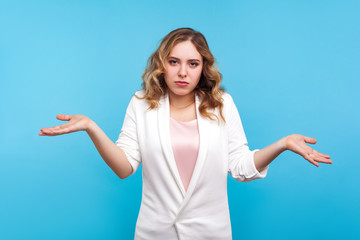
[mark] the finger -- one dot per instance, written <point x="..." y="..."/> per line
<point x="56" y="127"/>
<point x="310" y="140"/>
<point x="64" y="130"/>
<point x="63" y="117"/>
<point x="46" y="134"/>
<point x="316" y="157"/>
<point x="309" y="156"/>
<point x="50" y="132"/>
<point x="46" y="131"/>
<point x="53" y="128"/>
<point x="323" y="160"/>
<point x="313" y="162"/>
<point x="322" y="155"/>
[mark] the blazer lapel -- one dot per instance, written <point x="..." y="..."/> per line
<point x="203" y="125"/>
<point x="164" y="132"/>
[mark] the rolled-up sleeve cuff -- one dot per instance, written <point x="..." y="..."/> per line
<point x="253" y="172"/>
<point x="134" y="163"/>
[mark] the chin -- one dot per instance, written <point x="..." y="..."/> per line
<point x="181" y="92"/>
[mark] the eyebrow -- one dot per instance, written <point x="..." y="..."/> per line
<point x="188" y="59"/>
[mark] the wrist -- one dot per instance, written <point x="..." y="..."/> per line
<point x="90" y="126"/>
<point x="283" y="144"/>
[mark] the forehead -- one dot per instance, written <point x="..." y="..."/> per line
<point x="185" y="50"/>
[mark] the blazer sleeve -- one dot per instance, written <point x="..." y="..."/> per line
<point x="241" y="159"/>
<point x="128" y="138"/>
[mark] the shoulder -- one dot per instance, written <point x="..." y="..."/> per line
<point x="139" y="94"/>
<point x="138" y="98"/>
<point x="138" y="102"/>
<point x="229" y="107"/>
<point x="227" y="99"/>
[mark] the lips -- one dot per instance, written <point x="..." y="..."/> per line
<point x="181" y="83"/>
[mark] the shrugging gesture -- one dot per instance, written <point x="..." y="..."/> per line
<point x="295" y="143"/>
<point x="114" y="156"/>
<point x="174" y="114"/>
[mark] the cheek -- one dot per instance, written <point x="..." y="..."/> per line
<point x="170" y="72"/>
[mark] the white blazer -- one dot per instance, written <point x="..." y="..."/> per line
<point x="168" y="211"/>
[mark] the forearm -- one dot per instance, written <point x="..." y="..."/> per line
<point x="265" y="156"/>
<point x="114" y="156"/>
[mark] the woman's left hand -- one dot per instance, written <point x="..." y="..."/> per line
<point x="297" y="144"/>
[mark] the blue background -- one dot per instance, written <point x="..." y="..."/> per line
<point x="291" y="67"/>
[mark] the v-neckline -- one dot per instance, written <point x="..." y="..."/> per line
<point x="164" y="131"/>
<point x="184" y="122"/>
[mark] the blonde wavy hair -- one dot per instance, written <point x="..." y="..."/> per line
<point x="208" y="87"/>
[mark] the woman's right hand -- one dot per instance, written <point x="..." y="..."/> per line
<point x="76" y="123"/>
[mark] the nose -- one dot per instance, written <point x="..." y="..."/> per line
<point x="182" y="71"/>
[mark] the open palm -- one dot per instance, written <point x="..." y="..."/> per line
<point x="297" y="144"/>
<point x="75" y="123"/>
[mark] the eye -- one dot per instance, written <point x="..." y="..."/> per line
<point x="172" y="62"/>
<point x="194" y="64"/>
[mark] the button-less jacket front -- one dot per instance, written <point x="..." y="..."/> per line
<point x="168" y="211"/>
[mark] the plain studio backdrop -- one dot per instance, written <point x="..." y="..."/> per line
<point x="291" y="67"/>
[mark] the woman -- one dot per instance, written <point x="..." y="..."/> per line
<point x="188" y="134"/>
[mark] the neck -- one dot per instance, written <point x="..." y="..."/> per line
<point x="181" y="101"/>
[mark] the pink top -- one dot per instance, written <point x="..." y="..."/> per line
<point x="185" y="145"/>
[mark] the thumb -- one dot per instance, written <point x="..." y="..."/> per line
<point x="63" y="117"/>
<point x="310" y="140"/>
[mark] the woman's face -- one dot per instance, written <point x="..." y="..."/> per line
<point x="183" y="69"/>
